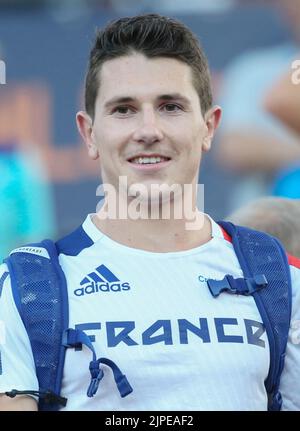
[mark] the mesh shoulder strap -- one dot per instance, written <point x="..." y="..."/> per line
<point x="260" y="253"/>
<point x="40" y="293"/>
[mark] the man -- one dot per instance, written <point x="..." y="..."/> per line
<point x="137" y="285"/>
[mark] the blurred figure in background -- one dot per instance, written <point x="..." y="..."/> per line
<point x="24" y="195"/>
<point x="283" y="98"/>
<point x="283" y="101"/>
<point x="280" y="217"/>
<point x="252" y="142"/>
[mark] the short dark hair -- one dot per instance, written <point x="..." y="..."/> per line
<point x="154" y="36"/>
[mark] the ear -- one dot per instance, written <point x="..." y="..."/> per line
<point x="212" y="119"/>
<point x="85" y="128"/>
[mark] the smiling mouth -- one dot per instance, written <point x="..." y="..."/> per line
<point x="148" y="160"/>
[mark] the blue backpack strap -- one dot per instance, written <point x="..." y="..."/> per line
<point x="40" y="293"/>
<point x="264" y="262"/>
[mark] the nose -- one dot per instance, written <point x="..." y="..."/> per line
<point x="148" y="130"/>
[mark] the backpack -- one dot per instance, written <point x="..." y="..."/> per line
<point x="40" y="292"/>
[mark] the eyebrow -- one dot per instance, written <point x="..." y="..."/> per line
<point x="164" y="97"/>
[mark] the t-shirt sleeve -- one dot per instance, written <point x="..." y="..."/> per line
<point x="17" y="369"/>
<point x="290" y="379"/>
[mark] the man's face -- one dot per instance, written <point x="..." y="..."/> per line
<point x="148" y="124"/>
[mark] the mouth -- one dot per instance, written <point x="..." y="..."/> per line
<point x="149" y="161"/>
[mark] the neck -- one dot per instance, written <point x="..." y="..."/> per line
<point x="159" y="234"/>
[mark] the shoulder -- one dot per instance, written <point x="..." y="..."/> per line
<point x="75" y="242"/>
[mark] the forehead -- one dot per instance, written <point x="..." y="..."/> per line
<point x="141" y="76"/>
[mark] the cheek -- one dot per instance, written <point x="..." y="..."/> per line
<point x="112" y="137"/>
<point x="196" y="142"/>
<point x="197" y="127"/>
<point x="105" y="142"/>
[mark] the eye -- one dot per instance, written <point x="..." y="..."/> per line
<point x="172" y="107"/>
<point x="122" y="110"/>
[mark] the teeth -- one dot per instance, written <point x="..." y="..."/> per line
<point x="148" y="160"/>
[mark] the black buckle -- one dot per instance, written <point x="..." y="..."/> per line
<point x="218" y="286"/>
<point x="241" y="286"/>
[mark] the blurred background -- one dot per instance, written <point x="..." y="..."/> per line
<point x="47" y="182"/>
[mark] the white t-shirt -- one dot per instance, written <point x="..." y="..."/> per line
<point x="153" y="315"/>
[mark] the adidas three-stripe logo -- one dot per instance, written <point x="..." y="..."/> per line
<point x="100" y="280"/>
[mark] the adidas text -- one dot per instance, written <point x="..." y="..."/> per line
<point x="101" y="287"/>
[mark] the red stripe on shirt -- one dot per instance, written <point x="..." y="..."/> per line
<point x="226" y="235"/>
<point x="295" y="261"/>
